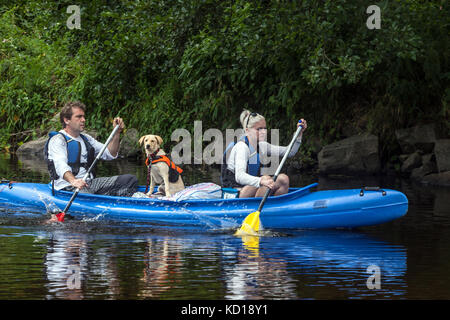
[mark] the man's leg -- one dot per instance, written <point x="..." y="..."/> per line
<point x="123" y="185"/>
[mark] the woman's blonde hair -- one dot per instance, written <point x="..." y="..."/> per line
<point x="248" y="119"/>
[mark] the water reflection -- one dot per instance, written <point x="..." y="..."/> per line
<point x="65" y="266"/>
<point x="258" y="275"/>
<point x="303" y="265"/>
<point x="118" y="262"/>
<point x="329" y="258"/>
<point x="163" y="267"/>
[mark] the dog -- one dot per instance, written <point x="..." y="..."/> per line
<point x="163" y="171"/>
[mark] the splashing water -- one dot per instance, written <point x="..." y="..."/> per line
<point x="213" y="223"/>
<point x="95" y="218"/>
<point x="50" y="206"/>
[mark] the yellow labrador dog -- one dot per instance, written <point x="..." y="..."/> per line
<point x="163" y="171"/>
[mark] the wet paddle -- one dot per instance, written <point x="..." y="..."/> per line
<point x="251" y="224"/>
<point x="60" y="216"/>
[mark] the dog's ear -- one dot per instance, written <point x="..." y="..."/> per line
<point x="141" y="140"/>
<point x="160" y="140"/>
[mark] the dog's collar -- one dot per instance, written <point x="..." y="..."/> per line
<point x="153" y="155"/>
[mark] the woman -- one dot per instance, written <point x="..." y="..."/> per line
<point x="241" y="169"/>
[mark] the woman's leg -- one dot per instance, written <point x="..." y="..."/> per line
<point x="247" y="192"/>
<point x="281" y="187"/>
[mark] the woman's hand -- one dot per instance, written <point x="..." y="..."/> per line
<point x="267" y="181"/>
<point x="303" y="124"/>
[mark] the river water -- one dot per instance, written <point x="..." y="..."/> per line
<point x="405" y="259"/>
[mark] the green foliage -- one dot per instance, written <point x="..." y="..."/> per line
<point x="163" y="64"/>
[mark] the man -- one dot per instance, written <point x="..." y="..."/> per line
<point x="69" y="154"/>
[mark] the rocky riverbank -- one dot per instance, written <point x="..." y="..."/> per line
<point x="424" y="157"/>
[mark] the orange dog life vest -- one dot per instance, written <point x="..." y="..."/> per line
<point x="174" y="170"/>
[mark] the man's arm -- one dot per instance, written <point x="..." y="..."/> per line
<point x="113" y="146"/>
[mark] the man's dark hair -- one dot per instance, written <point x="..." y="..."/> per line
<point x="66" y="112"/>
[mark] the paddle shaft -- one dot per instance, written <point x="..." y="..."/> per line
<point x="88" y="172"/>
<point x="289" y="148"/>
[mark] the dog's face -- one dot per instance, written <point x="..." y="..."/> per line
<point x="151" y="143"/>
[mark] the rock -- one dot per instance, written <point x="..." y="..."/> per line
<point x="292" y="167"/>
<point x="403" y="157"/>
<point x="33" y="148"/>
<point x="442" y="153"/>
<point x="438" y="179"/>
<point x="419" y="173"/>
<point x="36" y="147"/>
<point x="426" y="158"/>
<point x="129" y="146"/>
<point x="412" y="162"/>
<point x="416" y="138"/>
<point x="429" y="163"/>
<point x="34" y="163"/>
<point x="356" y="154"/>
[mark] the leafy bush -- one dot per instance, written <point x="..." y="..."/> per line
<point x="163" y="64"/>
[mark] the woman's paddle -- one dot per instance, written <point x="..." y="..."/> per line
<point x="60" y="216"/>
<point x="250" y="225"/>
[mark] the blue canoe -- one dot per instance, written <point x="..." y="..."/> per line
<point x="300" y="208"/>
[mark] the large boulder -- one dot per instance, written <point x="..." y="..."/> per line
<point x="442" y="154"/>
<point x="354" y="155"/>
<point x="33" y="163"/>
<point x="412" y="162"/>
<point x="129" y="146"/>
<point x="417" y="138"/>
<point x="34" y="148"/>
<point x="428" y="166"/>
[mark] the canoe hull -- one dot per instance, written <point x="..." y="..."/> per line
<point x="300" y="208"/>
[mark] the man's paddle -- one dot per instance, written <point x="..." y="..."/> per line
<point x="250" y="225"/>
<point x="60" y="216"/>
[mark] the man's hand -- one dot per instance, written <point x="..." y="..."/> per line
<point x="79" y="183"/>
<point x="119" y="121"/>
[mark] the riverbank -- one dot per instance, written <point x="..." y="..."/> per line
<point x="424" y="156"/>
